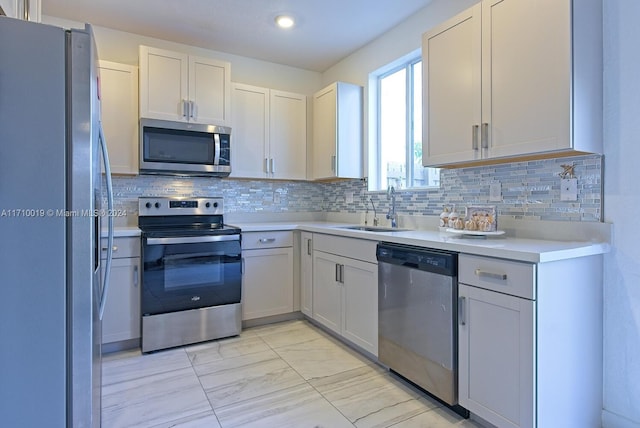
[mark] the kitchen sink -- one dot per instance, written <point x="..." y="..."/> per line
<point x="374" y="228"/>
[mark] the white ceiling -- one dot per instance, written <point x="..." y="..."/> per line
<point x="326" y="30"/>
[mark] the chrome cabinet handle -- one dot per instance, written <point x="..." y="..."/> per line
<point x="114" y="248"/>
<point x="309" y="247"/>
<point x="135" y="276"/>
<point x="333" y="163"/>
<point x="342" y="274"/>
<point x="266" y="166"/>
<point x="273" y="168"/>
<point x="493" y="275"/>
<point x="475" y="129"/>
<point x="266" y="240"/>
<point x="461" y="313"/>
<point x="192" y="110"/>
<point x="27" y="11"/>
<point x="185" y="109"/>
<point x="485" y="136"/>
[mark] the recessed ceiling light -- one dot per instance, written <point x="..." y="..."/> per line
<point x="284" y="21"/>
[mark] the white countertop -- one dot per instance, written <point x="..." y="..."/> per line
<point x="521" y="249"/>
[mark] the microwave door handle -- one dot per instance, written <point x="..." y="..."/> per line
<point x="216" y="156"/>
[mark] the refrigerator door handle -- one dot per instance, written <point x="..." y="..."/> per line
<point x="107" y="267"/>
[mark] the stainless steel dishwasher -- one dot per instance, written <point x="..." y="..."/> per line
<point x="417" y="317"/>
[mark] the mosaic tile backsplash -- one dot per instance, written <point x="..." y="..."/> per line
<point x="530" y="190"/>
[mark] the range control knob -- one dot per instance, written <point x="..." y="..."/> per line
<point x="148" y="205"/>
<point x="157" y="204"/>
<point x="208" y="204"/>
<point x="215" y="205"/>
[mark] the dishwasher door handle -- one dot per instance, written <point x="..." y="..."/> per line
<point x="461" y="310"/>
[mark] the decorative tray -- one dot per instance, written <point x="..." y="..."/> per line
<point x="475" y="232"/>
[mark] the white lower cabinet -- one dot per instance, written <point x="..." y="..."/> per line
<point x="267" y="279"/>
<point x="121" y="320"/>
<point x="345" y="290"/>
<point x="530" y="341"/>
<point x="496" y="340"/>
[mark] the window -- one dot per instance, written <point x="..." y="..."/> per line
<point x="399" y="133"/>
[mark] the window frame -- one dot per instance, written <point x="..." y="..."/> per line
<point x="406" y="63"/>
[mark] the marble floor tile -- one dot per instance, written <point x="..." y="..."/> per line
<point x="201" y="420"/>
<point x="226" y="348"/>
<point x="290" y="374"/>
<point x="153" y="400"/>
<point x="297" y="407"/>
<point x="320" y="357"/>
<point x="130" y="365"/>
<point x="288" y="333"/>
<point x="370" y="397"/>
<point x="246" y="377"/>
<point x="440" y="417"/>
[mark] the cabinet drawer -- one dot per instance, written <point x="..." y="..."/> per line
<point x="256" y="240"/>
<point x="504" y="276"/>
<point x="359" y="249"/>
<point x="122" y="247"/>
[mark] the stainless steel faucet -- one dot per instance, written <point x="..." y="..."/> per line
<point x="392" y="215"/>
<point x="375" y="214"/>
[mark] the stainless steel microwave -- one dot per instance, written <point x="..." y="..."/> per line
<point x="176" y="148"/>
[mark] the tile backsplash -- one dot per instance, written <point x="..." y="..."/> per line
<point x="530" y="190"/>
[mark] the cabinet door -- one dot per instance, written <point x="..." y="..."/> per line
<point x="250" y="131"/>
<point x="288" y="135"/>
<point x="327" y="291"/>
<point x="324" y="133"/>
<point x="119" y="95"/>
<point x="360" y="309"/>
<point x="526" y="73"/>
<point x="163" y="84"/>
<point x="267" y="282"/>
<point x="121" y="320"/>
<point x="209" y="90"/>
<point x="496" y="356"/>
<point x="451" y="89"/>
<point x="306" y="274"/>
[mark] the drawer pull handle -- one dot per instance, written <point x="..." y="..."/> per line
<point x="309" y="246"/>
<point x="136" y="275"/>
<point x="115" y="248"/>
<point x="266" y="240"/>
<point x="461" y="313"/>
<point x="483" y="274"/>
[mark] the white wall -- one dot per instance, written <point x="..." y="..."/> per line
<point x="395" y="43"/>
<point x="119" y="46"/>
<point x="621" y="207"/>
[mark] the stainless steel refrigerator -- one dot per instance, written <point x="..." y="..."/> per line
<point x="51" y="285"/>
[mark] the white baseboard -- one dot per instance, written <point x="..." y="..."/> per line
<point x="612" y="420"/>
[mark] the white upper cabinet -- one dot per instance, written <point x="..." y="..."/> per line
<point x="337" y="132"/>
<point x="27" y="10"/>
<point x="179" y="87"/>
<point x="119" y="96"/>
<point x="269" y="133"/>
<point x="510" y="79"/>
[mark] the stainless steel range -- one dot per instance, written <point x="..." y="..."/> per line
<point x="191" y="275"/>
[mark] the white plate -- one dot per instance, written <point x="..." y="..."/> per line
<point x="476" y="232"/>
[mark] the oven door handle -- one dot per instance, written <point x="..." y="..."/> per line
<point x="192" y="239"/>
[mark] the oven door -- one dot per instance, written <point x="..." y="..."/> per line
<point x="182" y="273"/>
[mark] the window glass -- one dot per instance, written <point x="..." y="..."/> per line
<point x="400" y="130"/>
